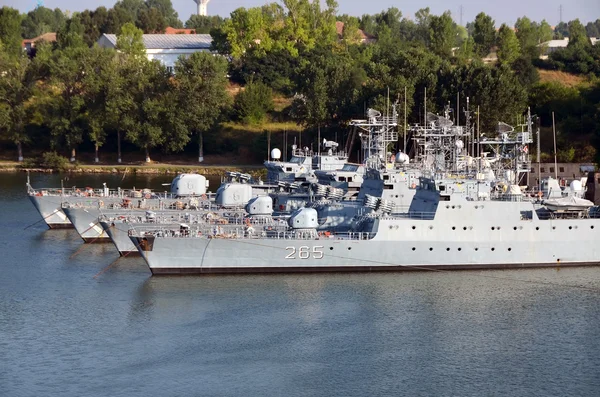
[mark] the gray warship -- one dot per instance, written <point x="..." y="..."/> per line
<point x="473" y="215"/>
<point x="50" y="201"/>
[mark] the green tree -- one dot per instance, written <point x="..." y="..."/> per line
<point x="16" y="90"/>
<point x="578" y="36"/>
<point x="484" y="34"/>
<point x="147" y="85"/>
<point x="71" y="35"/>
<point x="442" y="34"/>
<point x="42" y="20"/>
<point x="99" y="80"/>
<point x="201" y="82"/>
<point x="204" y="24"/>
<point x="525" y="32"/>
<point x="592" y="29"/>
<point x="246" y="29"/>
<point x="508" y="45"/>
<point x="10" y="31"/>
<point x="151" y="21"/>
<point x="66" y="112"/>
<point x="129" y="41"/>
<point x="252" y="104"/>
<point x="165" y="8"/>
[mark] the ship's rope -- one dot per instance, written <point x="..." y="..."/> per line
<point x="416" y="267"/>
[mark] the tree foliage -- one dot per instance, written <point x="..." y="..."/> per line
<point x="484" y="34"/>
<point x="508" y="45"/>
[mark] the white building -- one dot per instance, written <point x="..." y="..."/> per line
<point x="166" y="48"/>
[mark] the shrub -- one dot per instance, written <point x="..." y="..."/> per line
<point x="252" y="104"/>
<point x="53" y="160"/>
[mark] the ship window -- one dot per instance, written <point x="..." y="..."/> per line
<point x="349" y="179"/>
<point x="430" y="249"/>
<point x="349" y="248"/>
<point x="510" y="249"/>
<point x="476" y="249"/>
<point x="342" y="179"/>
<point x="388" y="187"/>
<point x="386" y="177"/>
<point x="493" y="249"/>
<point x="413" y="248"/>
<point x="591" y="227"/>
<point x="442" y="188"/>
<point x="460" y="249"/>
<point x="444" y="198"/>
<point x="561" y="169"/>
<point x="447" y="249"/>
<point x="288" y="169"/>
<point x="537" y="228"/>
<point x="414" y="227"/>
<point x="331" y="248"/>
<point x="453" y="227"/>
<point x="570" y="227"/>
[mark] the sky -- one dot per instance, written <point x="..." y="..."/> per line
<point x="502" y="11"/>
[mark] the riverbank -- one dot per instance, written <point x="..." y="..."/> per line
<point x="152" y="168"/>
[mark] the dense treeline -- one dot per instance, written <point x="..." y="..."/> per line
<point x="73" y="93"/>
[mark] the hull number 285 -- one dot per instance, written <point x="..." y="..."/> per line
<point x="304" y="252"/>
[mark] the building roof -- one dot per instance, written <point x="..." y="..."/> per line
<point x="167" y="41"/>
<point x="364" y="36"/>
<point x="556" y="43"/>
<point x="49" y="37"/>
<point x="170" y="30"/>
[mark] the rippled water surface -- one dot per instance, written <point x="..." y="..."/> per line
<point x="75" y="320"/>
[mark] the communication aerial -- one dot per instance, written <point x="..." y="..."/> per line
<point x="202" y="7"/>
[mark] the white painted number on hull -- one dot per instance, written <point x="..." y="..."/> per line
<point x="304" y="252"/>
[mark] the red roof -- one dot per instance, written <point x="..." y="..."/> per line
<point x="49" y="37"/>
<point x="170" y="30"/>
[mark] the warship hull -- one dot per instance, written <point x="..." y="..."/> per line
<point x="118" y="232"/>
<point x="49" y="208"/>
<point x="85" y="221"/>
<point x="400" y="244"/>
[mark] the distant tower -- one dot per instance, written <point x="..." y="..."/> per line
<point x="202" y="7"/>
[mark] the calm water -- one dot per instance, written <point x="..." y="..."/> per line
<point x="65" y="332"/>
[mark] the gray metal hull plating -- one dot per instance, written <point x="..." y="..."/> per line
<point x="85" y="221"/>
<point x="118" y="232"/>
<point x="461" y="237"/>
<point x="49" y="208"/>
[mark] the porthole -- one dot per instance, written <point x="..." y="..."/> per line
<point x="591" y="227"/>
<point x="452" y="207"/>
<point x="447" y="207"/>
<point x="493" y="249"/>
<point x="460" y="249"/>
<point x="465" y="228"/>
<point x="453" y="227"/>
<point x="476" y="249"/>
<point x="413" y="248"/>
<point x="430" y="249"/>
<point x="476" y="206"/>
<point x="430" y="227"/>
<point x="349" y="248"/>
<point x="493" y="228"/>
<point x="331" y="248"/>
<point x="510" y="249"/>
<point x="537" y="228"/>
<point x="553" y="227"/>
<point x="498" y="227"/>
<point x="570" y="227"/>
<point x="447" y="249"/>
<point x="515" y="228"/>
<point x="414" y="227"/>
